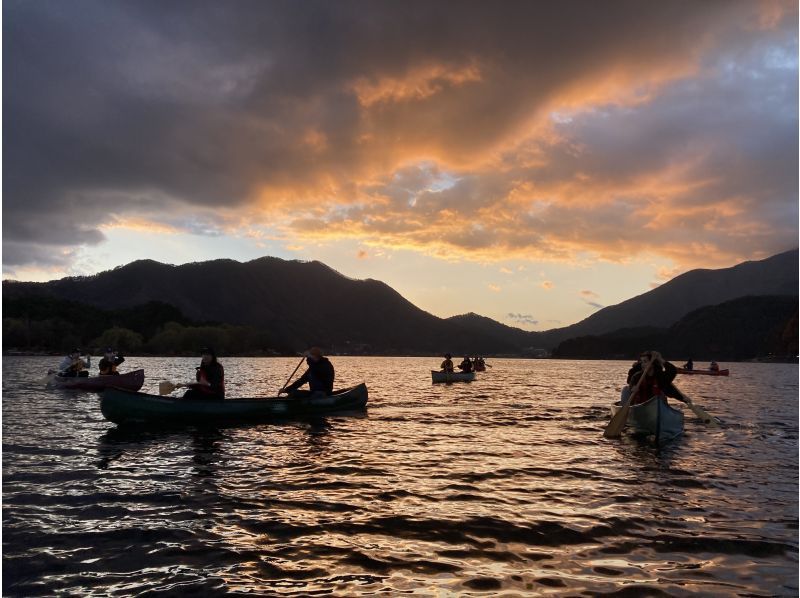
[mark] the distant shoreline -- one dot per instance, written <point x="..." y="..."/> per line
<point x="786" y="359"/>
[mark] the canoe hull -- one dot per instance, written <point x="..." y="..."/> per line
<point x="654" y="418"/>
<point x="136" y="408"/>
<point x="439" y="376"/>
<point x="704" y="372"/>
<point x="132" y="381"/>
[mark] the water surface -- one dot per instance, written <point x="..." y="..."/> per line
<point x="501" y="486"/>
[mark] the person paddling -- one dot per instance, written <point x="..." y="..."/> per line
<point x="714" y="367"/>
<point x="108" y="365"/>
<point x="466" y="365"/>
<point x="447" y="364"/>
<point x="210" y="377"/>
<point x="689" y="365"/>
<point x="72" y="366"/>
<point x="657" y="382"/>
<point x="319" y="376"/>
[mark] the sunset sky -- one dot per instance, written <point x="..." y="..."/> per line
<point x="531" y="161"/>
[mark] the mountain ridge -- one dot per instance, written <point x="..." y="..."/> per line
<point x="303" y="302"/>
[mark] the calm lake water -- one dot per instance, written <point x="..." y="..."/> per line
<point x="504" y="486"/>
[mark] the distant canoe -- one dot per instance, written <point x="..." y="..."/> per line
<point x="138" y="408"/>
<point x="703" y="372"/>
<point x="653" y="418"/>
<point x="127" y="381"/>
<point x="440" y="376"/>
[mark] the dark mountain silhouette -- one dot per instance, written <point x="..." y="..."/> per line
<point x="665" y="305"/>
<point x="744" y="328"/>
<point x="297" y="304"/>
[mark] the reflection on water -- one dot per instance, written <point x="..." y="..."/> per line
<point x="501" y="485"/>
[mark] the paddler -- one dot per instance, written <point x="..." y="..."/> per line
<point x="658" y="381"/>
<point x="108" y="365"/>
<point x="73" y="366"/>
<point x="447" y="364"/>
<point x="210" y="377"/>
<point x="319" y="376"/>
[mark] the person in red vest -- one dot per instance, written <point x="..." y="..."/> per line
<point x="657" y="382"/>
<point x="210" y="378"/>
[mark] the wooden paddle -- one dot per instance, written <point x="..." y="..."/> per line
<point x="617" y="423"/>
<point x="165" y="387"/>
<point x="698" y="411"/>
<point x="283" y="388"/>
<point x="47" y="379"/>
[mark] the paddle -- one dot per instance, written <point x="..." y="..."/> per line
<point x="165" y="387"/>
<point x="49" y="377"/>
<point x="617" y="423"/>
<point x="283" y="388"/>
<point x="698" y="411"/>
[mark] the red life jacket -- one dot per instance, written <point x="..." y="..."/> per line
<point x="647" y="389"/>
<point x="202" y="377"/>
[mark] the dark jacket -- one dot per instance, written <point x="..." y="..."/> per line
<point x="109" y="366"/>
<point x="663" y="377"/>
<point x="319" y="376"/>
<point x="214" y="374"/>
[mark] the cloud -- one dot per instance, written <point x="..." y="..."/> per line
<point x="523" y="319"/>
<point x="547" y="284"/>
<point x="662" y="127"/>
<point x="494" y="288"/>
<point x="589" y="294"/>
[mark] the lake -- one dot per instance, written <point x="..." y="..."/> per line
<point x="502" y="486"/>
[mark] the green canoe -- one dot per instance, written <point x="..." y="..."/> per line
<point x="136" y="408"/>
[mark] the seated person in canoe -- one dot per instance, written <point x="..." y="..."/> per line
<point x="108" y="365"/>
<point x="73" y="366"/>
<point x="658" y="381"/>
<point x="689" y="365"/>
<point x="210" y="377"/>
<point x="319" y="376"/>
<point x="447" y="364"/>
<point x="714" y="367"/>
<point x="466" y="365"/>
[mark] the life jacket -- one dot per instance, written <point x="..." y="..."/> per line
<point x="108" y="367"/>
<point x="647" y="389"/>
<point x="202" y="376"/>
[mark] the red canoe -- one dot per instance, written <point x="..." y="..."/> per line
<point x="127" y="381"/>
<point x="704" y="372"/>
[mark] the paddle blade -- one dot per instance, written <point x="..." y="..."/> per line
<point x="703" y="415"/>
<point x="617" y="423"/>
<point x="47" y="379"/>
<point x="164" y="388"/>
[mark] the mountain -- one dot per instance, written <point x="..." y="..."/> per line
<point x="666" y="304"/>
<point x="297" y="304"/>
<point x="744" y="328"/>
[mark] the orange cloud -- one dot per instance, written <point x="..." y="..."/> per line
<point x="418" y="83"/>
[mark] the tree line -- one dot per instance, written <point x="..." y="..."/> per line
<point x="48" y="325"/>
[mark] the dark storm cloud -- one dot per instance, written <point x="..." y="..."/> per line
<point x="164" y="110"/>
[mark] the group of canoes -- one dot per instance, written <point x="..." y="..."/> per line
<point x="204" y="401"/>
<point x="642" y="408"/>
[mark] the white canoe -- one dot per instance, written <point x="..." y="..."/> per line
<point x="441" y="376"/>
<point x="653" y="418"/>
